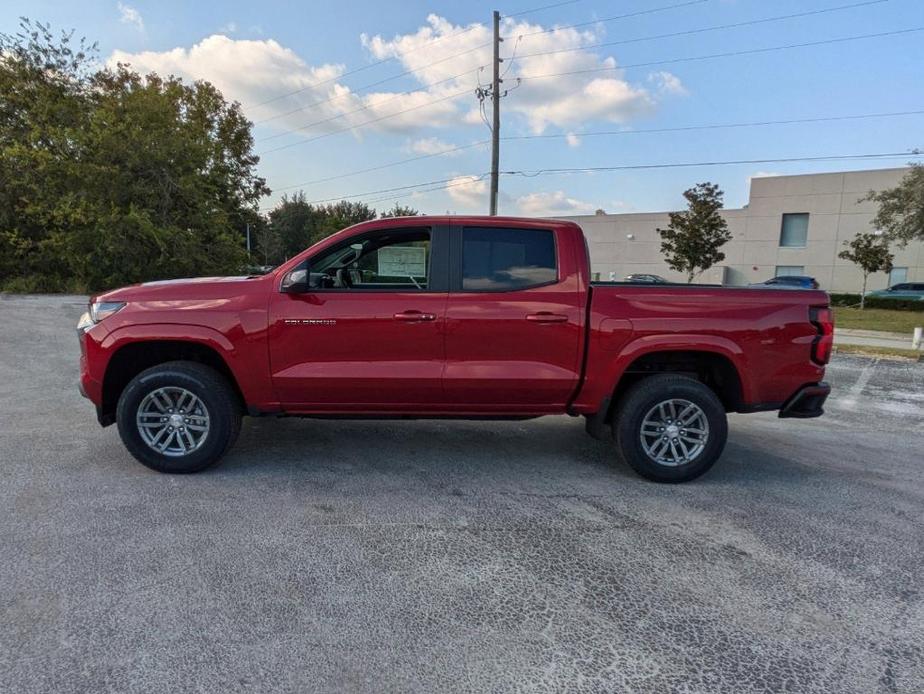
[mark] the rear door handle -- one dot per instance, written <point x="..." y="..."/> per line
<point x="547" y="317"/>
<point x="415" y="316"/>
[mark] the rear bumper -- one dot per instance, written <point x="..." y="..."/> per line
<point x="807" y="402"/>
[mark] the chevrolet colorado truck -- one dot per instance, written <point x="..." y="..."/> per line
<point x="450" y="317"/>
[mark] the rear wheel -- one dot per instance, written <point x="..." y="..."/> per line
<point x="178" y="417"/>
<point x="670" y="428"/>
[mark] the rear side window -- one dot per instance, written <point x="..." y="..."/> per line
<point x="498" y="259"/>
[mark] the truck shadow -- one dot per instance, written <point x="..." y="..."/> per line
<point x="550" y="450"/>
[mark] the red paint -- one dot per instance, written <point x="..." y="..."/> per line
<point x="464" y="353"/>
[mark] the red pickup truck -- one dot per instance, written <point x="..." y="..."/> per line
<point x="466" y="317"/>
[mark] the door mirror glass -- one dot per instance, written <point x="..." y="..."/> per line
<point x="296" y="280"/>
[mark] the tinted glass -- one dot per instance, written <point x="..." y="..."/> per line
<point x="499" y="259"/>
<point x="794" y="230"/>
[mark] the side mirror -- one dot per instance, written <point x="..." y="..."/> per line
<point x="296" y="280"/>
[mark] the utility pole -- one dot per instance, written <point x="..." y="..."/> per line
<point x="495" y="127"/>
<point x="248" y="240"/>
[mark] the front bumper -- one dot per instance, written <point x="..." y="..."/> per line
<point x="806" y="402"/>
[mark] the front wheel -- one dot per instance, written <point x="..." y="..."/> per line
<point x="670" y="428"/>
<point x="178" y="417"/>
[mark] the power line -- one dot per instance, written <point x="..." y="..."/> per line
<point x="620" y="67"/>
<point x="678" y="165"/>
<point x="599" y="133"/>
<point x="717" y="126"/>
<point x="373" y="84"/>
<point x="397" y="56"/>
<point x="614" y="18"/>
<point x="430" y="44"/>
<point x="462" y="181"/>
<point x="385" y="166"/>
<point x="718" y="27"/>
<point x="454" y="95"/>
<point x="366" y="107"/>
<point x="728" y="54"/>
<point x="445" y="183"/>
<point x="389" y="190"/>
<point x="539" y="9"/>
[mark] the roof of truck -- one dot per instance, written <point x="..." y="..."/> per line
<point x="465" y="220"/>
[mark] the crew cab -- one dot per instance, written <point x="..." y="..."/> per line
<point x="465" y="317"/>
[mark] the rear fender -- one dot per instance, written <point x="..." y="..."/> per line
<point x="602" y="386"/>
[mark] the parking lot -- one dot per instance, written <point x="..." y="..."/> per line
<point x="456" y="556"/>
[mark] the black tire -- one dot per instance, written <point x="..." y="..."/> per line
<point x="647" y="394"/>
<point x="219" y="399"/>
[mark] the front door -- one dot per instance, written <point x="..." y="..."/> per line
<point x="514" y="320"/>
<point x="369" y="335"/>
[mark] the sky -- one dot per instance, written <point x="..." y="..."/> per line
<point x="341" y="92"/>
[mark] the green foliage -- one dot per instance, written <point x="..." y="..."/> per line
<point x="871" y="253"/>
<point x="111" y="178"/>
<point x="297" y="224"/>
<point x="399" y="211"/>
<point x="877" y="302"/>
<point x="693" y="238"/>
<point x="901" y="209"/>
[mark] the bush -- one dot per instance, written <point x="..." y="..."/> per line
<point x="877" y="302"/>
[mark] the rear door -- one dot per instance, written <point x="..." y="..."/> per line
<point x="514" y="319"/>
<point x="369" y="334"/>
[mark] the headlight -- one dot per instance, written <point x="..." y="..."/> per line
<point x="98" y="311"/>
<point x="104" y="309"/>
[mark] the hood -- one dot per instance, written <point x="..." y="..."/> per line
<point x="187" y="288"/>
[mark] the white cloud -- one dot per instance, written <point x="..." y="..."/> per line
<point x="257" y="71"/>
<point x="470" y="192"/>
<point x="229" y="28"/>
<point x="668" y="83"/>
<point x="129" y="15"/>
<point x="573" y="140"/>
<point x="446" y="72"/>
<point x="551" y="203"/>
<point x="434" y="145"/>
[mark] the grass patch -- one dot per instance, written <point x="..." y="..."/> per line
<point x="884" y="352"/>
<point x="877" y="319"/>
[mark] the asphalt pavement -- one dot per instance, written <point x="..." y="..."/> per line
<point x="437" y="556"/>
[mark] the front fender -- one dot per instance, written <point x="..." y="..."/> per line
<point x="244" y="355"/>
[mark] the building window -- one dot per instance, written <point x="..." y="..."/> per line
<point x="898" y="275"/>
<point x="790" y="270"/>
<point x="794" y="231"/>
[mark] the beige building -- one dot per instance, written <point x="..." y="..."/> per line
<point x="792" y="225"/>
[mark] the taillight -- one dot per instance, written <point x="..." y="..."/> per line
<point x="822" y="317"/>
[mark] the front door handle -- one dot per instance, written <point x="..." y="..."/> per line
<point x="547" y="317"/>
<point x="415" y="316"/>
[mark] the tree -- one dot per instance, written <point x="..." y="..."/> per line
<point x="111" y="177"/>
<point x="299" y="224"/>
<point x="871" y="253"/>
<point x="399" y="211"/>
<point x="901" y="209"/>
<point x="693" y="238"/>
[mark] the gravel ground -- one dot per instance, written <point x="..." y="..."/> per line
<point x="456" y="556"/>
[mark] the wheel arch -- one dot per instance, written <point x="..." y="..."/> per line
<point x="131" y="358"/>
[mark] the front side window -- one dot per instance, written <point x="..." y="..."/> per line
<point x="789" y="270"/>
<point x="396" y="261"/>
<point x="794" y="230"/>
<point x="498" y="259"/>
<point x="898" y="275"/>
